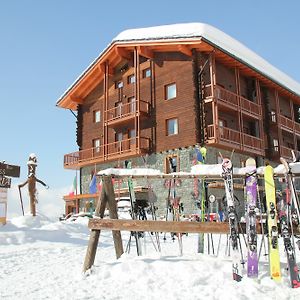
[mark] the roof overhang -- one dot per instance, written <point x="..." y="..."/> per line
<point x="182" y="38"/>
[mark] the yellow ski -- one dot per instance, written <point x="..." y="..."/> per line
<point x="274" y="258"/>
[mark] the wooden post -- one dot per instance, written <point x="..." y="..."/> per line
<point x="107" y="197"/>
<point x="94" y="236"/>
<point x="113" y="214"/>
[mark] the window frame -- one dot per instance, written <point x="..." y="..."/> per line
<point x="95" y="147"/>
<point x="131" y="79"/>
<point x="167" y="96"/>
<point x="145" y="72"/>
<point x="167" y="167"/>
<point x="167" y="126"/>
<point x="95" y="113"/>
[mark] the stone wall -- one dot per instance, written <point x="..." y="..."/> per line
<point x="188" y="189"/>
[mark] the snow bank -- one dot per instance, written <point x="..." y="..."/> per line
<point x="41" y="259"/>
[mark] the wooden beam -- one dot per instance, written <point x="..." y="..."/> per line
<point x="168" y="226"/>
<point x="122" y="52"/>
<point x="145" y="51"/>
<point x="185" y="50"/>
<point x="158" y="226"/>
<point x="111" y="71"/>
<point x="76" y="99"/>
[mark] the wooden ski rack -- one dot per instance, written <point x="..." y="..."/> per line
<point x="107" y="198"/>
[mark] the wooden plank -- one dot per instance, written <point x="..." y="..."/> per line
<point x="113" y="213"/>
<point x="94" y="235"/>
<point x="158" y="226"/>
<point x="168" y="226"/>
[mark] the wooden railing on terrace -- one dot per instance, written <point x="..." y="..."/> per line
<point x="235" y="138"/>
<point x="107" y="152"/>
<point x="252" y="142"/>
<point x="232" y="99"/>
<point x="250" y="107"/>
<point x="127" y="109"/>
<point x="226" y="96"/>
<point x="285" y="122"/>
<point x="285" y="152"/>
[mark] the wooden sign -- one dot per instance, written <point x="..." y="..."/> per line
<point x="5" y="182"/>
<point x="9" y="170"/>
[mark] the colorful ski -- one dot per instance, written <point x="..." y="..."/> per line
<point x="274" y="259"/>
<point x="251" y="192"/>
<point x="284" y="210"/>
<point x="232" y="218"/>
<point x="133" y="212"/>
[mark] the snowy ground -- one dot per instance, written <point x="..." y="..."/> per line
<point x="42" y="259"/>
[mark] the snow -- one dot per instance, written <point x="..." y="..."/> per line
<point x="130" y="172"/>
<point x="217" y="38"/>
<point x="43" y="259"/>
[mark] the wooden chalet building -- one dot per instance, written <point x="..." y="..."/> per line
<point x="162" y="91"/>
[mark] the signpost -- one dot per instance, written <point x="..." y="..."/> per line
<point x="5" y="183"/>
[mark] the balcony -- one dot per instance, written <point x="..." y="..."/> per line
<point x="286" y="123"/>
<point x="126" y="113"/>
<point x="109" y="152"/>
<point x="232" y="100"/>
<point x="230" y="138"/>
<point x="286" y="152"/>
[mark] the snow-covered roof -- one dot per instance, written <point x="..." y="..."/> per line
<point x="216" y="37"/>
<point x="207" y="33"/>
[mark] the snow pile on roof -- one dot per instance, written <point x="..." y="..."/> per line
<point x="215" y="37"/>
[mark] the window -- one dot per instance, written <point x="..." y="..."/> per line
<point x="96" y="145"/>
<point x="172" y="126"/>
<point x="97" y="116"/>
<point x="118" y="84"/>
<point x="131" y="135"/>
<point x="273" y="116"/>
<point x="118" y="109"/>
<point x="119" y="138"/>
<point x="276" y="145"/>
<point x="170" y="91"/>
<point x="222" y="124"/>
<point x="147" y="73"/>
<point x="171" y="163"/>
<point x="131" y="79"/>
<point x="132" y="105"/>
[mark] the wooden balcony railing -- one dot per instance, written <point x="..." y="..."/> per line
<point x="107" y="152"/>
<point x="297" y="127"/>
<point x="286" y="123"/>
<point x="252" y="142"/>
<point x="229" y="135"/>
<point x="126" y="110"/>
<point x="226" y="96"/>
<point x="232" y="99"/>
<point x="250" y="107"/>
<point x="234" y="138"/>
<point x="285" y="152"/>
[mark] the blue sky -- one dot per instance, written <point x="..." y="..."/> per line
<point x="46" y="44"/>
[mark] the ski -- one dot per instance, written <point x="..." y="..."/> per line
<point x="133" y="210"/>
<point x="251" y="195"/>
<point x="200" y="158"/>
<point x="232" y="218"/>
<point x="152" y="199"/>
<point x="274" y="259"/>
<point x="285" y="220"/>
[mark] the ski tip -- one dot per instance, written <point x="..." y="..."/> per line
<point x="250" y="162"/>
